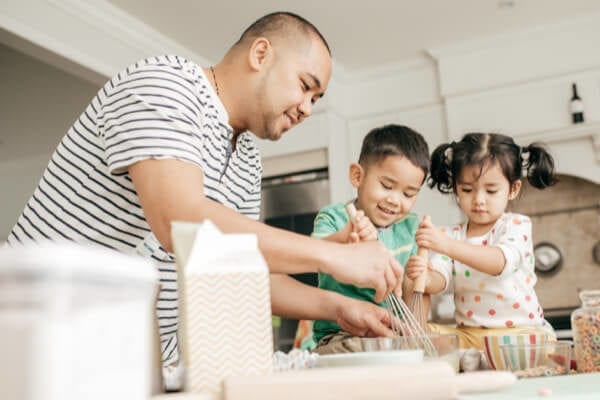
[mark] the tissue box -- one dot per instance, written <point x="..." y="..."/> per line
<point x="225" y="306"/>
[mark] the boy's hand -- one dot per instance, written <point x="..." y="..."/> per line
<point x="362" y="228"/>
<point x="432" y="237"/>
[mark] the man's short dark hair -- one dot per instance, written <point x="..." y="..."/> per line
<point x="280" y="23"/>
<point x="395" y="140"/>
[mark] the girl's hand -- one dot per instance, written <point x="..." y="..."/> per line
<point x="432" y="237"/>
<point x="363" y="229"/>
<point x="415" y="267"/>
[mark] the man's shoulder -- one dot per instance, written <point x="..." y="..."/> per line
<point x="167" y="61"/>
<point x="179" y="70"/>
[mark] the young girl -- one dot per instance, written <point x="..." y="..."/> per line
<point x="489" y="259"/>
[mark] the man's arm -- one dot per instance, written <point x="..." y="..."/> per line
<point x="341" y="236"/>
<point x="172" y="190"/>
<point x="294" y="299"/>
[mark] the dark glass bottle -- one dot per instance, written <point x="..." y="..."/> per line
<point x="576" y="106"/>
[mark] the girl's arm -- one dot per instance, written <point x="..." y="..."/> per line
<point x="487" y="259"/>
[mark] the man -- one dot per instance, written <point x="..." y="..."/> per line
<point x="167" y="140"/>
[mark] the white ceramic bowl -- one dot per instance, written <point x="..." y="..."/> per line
<point x="392" y="357"/>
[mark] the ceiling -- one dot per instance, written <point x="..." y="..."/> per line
<point x="361" y="34"/>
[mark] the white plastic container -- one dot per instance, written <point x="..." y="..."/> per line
<point x="75" y="323"/>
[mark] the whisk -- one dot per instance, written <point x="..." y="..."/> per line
<point x="403" y="323"/>
<point x="416" y="301"/>
<point x="405" y="326"/>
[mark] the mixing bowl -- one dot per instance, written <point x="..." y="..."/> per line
<point x="492" y="343"/>
<point x="533" y="360"/>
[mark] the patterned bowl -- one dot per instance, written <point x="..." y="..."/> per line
<point x="535" y="360"/>
<point x="493" y="352"/>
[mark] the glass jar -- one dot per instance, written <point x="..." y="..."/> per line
<point x="585" y="323"/>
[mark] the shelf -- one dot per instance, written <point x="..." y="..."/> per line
<point x="564" y="134"/>
<point x="575" y="131"/>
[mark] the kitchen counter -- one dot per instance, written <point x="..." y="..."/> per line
<point x="563" y="387"/>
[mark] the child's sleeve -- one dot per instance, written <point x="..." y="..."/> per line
<point x="442" y="263"/>
<point x="328" y="222"/>
<point x="514" y="239"/>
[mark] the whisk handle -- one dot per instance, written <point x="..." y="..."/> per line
<point x="351" y="210"/>
<point x="419" y="284"/>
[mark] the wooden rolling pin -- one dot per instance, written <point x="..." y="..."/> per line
<point x="429" y="380"/>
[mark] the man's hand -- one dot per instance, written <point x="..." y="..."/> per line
<point x="354" y="316"/>
<point x="367" y="265"/>
<point x="360" y="318"/>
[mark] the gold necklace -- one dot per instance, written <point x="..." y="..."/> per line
<point x="215" y="79"/>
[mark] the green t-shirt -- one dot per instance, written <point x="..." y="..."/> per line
<point x="399" y="238"/>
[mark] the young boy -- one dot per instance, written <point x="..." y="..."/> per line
<point x="392" y="167"/>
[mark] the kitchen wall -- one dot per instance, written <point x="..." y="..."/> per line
<point x="38" y="103"/>
<point x="570" y="221"/>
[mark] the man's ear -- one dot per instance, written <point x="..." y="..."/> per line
<point x="514" y="190"/>
<point x="356" y="174"/>
<point x="259" y="53"/>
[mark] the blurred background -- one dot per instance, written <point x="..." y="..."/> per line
<point x="442" y="67"/>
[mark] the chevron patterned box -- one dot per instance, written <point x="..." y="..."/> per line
<point x="225" y="306"/>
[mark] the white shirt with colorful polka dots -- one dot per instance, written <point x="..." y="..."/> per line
<point x="502" y="301"/>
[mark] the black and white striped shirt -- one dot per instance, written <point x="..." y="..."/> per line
<point x="159" y="108"/>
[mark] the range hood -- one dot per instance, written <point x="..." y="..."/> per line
<point x="576" y="149"/>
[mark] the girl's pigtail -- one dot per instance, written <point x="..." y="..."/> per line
<point x="441" y="169"/>
<point x="539" y="165"/>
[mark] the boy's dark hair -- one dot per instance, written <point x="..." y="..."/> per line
<point x="483" y="149"/>
<point x="396" y="140"/>
<point x="280" y="23"/>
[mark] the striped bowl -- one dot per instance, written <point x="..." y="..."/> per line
<point x="533" y="360"/>
<point x="492" y="346"/>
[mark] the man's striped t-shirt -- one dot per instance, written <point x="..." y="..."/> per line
<point x="159" y="108"/>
